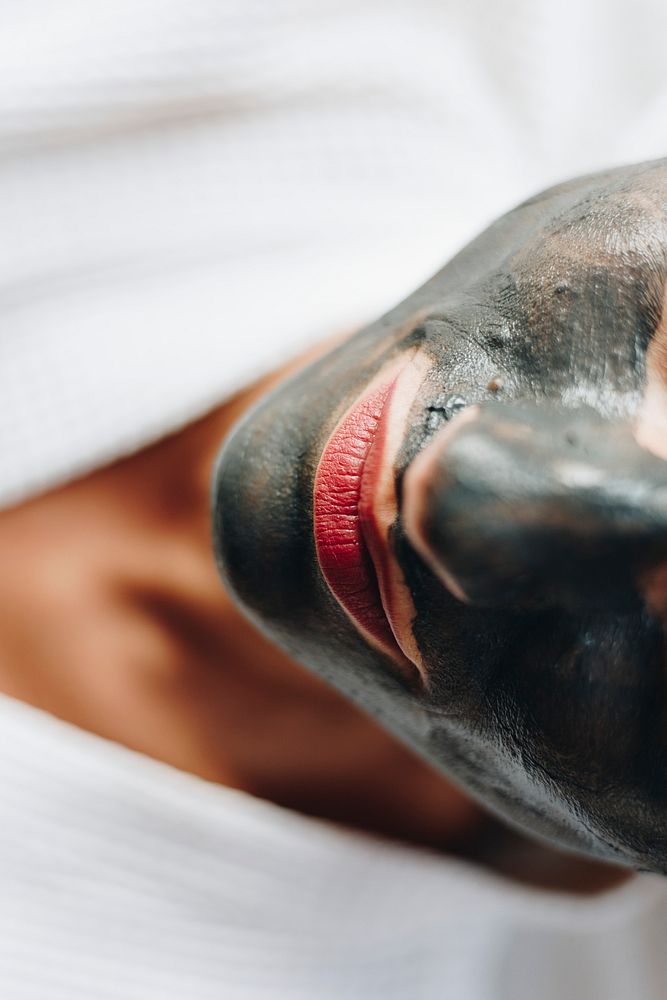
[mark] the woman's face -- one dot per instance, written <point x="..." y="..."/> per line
<point x="450" y="517"/>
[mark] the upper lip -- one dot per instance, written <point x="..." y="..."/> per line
<point x="355" y="505"/>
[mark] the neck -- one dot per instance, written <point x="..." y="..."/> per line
<point x="113" y="618"/>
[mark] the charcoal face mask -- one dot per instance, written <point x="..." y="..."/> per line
<point x="529" y="527"/>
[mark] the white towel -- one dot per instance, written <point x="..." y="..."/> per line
<point x="124" y="879"/>
<point x="191" y="190"/>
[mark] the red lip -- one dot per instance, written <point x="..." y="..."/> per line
<point x="353" y="506"/>
<point x="341" y="548"/>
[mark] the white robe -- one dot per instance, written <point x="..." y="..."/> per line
<point x="191" y="190"/>
<point x="125" y="879"/>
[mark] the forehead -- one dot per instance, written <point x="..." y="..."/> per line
<point x="564" y="295"/>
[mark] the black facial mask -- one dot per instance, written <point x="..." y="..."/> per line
<point x="528" y="518"/>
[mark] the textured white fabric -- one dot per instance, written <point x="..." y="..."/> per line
<point x="125" y="879"/>
<point x="192" y="189"/>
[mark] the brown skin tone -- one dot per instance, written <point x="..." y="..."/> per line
<point x="114" y="619"/>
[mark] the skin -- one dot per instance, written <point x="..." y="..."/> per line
<point x="537" y="428"/>
<point x="113" y="617"/>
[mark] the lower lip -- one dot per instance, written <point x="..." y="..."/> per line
<point x="342" y="551"/>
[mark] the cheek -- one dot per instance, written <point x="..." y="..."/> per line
<point x="651" y="425"/>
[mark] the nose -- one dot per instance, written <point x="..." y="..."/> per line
<point x="534" y="505"/>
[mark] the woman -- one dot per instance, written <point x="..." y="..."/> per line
<point x="191" y="193"/>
